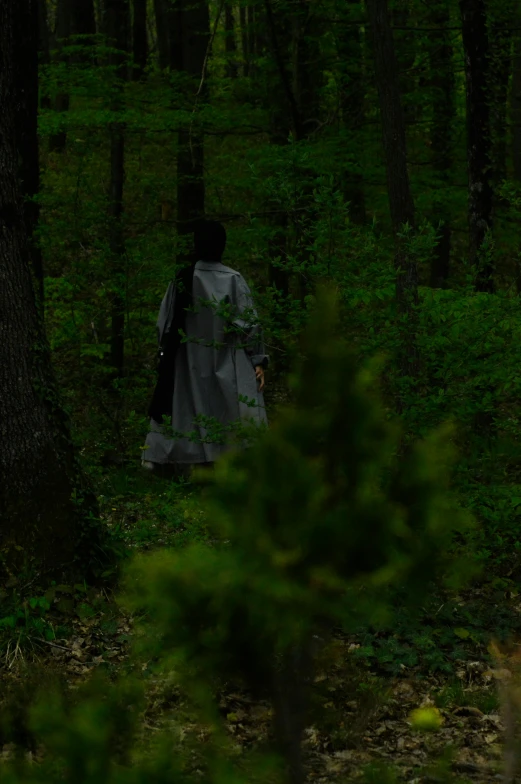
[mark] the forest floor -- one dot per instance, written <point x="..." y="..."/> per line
<point x="363" y="693"/>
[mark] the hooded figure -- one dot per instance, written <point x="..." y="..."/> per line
<point x="211" y="356"/>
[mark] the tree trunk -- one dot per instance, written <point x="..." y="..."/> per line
<point x="117" y="20"/>
<point x="443" y="119"/>
<point x="515" y="117"/>
<point x="58" y="141"/>
<point x="43" y="46"/>
<point x="84" y="20"/>
<point x="44" y="501"/>
<point x="243" y="21"/>
<point x="515" y="110"/>
<point x="139" y="39"/>
<point x="499" y="64"/>
<point x="352" y="98"/>
<point x="479" y="143"/>
<point x="400" y="197"/>
<point x="188" y="43"/>
<point x="162" y="14"/>
<point x="231" y="70"/>
<point x="26" y="53"/>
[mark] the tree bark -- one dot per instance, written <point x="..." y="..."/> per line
<point x="499" y="64"/>
<point x="26" y="63"/>
<point x="139" y="38"/>
<point x="443" y="117"/>
<point x="400" y="197"/>
<point x="84" y="20"/>
<point x="230" y="45"/>
<point x="44" y="501"/>
<point x="352" y="99"/>
<point x="189" y="39"/>
<point x="43" y="46"/>
<point x="246" y="54"/>
<point x="479" y="142"/>
<point x="117" y="20"/>
<point x="515" y="110"/>
<point x="58" y="141"/>
<point x="162" y="13"/>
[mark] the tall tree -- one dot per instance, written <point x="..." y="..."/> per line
<point x="27" y="43"/>
<point x="515" y="109"/>
<point x="230" y="44"/>
<point x="400" y="198"/>
<point x="479" y="141"/>
<point x="164" y="18"/>
<point x="442" y="83"/>
<point x="500" y="14"/>
<point x="245" y="43"/>
<point x="139" y="38"/>
<point x="83" y="19"/>
<point x="189" y="40"/>
<point x="351" y="99"/>
<point x="63" y="31"/>
<point x="117" y="20"/>
<point x="44" y="499"/>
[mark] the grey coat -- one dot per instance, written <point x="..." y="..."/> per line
<point x="214" y="367"/>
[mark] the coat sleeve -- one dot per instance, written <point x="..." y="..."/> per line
<point x="247" y="326"/>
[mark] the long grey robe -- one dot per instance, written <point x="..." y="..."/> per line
<point x="213" y="368"/>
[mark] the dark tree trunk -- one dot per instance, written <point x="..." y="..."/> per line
<point x="26" y="63"/>
<point x="515" y="118"/>
<point x="231" y="69"/>
<point x="43" y="494"/>
<point x="58" y="141"/>
<point x="139" y="38"/>
<point x="162" y="13"/>
<point x="479" y="142"/>
<point x="401" y="20"/>
<point x="352" y="99"/>
<point x="84" y="19"/>
<point x="189" y="39"/>
<point x="43" y="46"/>
<point x="246" y="54"/>
<point x="290" y="700"/>
<point x="443" y="118"/>
<point x="400" y="197"/>
<point x="515" y="109"/>
<point x="500" y="63"/>
<point x="117" y="19"/>
<point x="253" y="38"/>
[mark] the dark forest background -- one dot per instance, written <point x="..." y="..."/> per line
<point x="373" y="148"/>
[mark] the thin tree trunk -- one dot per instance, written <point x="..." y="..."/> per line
<point x="443" y="119"/>
<point x="26" y="51"/>
<point x="44" y="501"/>
<point x="117" y="20"/>
<point x="499" y="64"/>
<point x="139" y="38"/>
<point x="58" y="141"/>
<point x="400" y="197"/>
<point x="230" y="45"/>
<point x="515" y="110"/>
<point x="43" y="46"/>
<point x="162" y="15"/>
<point x="479" y="142"/>
<point x="84" y="20"/>
<point x="352" y="98"/>
<point x="244" y="41"/>
<point x="188" y="42"/>
<point x="253" y="38"/>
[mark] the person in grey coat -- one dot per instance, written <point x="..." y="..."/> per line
<point x="212" y="359"/>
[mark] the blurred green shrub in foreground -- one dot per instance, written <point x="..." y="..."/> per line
<point x="315" y="524"/>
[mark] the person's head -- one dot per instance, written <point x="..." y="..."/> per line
<point x="209" y="240"/>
